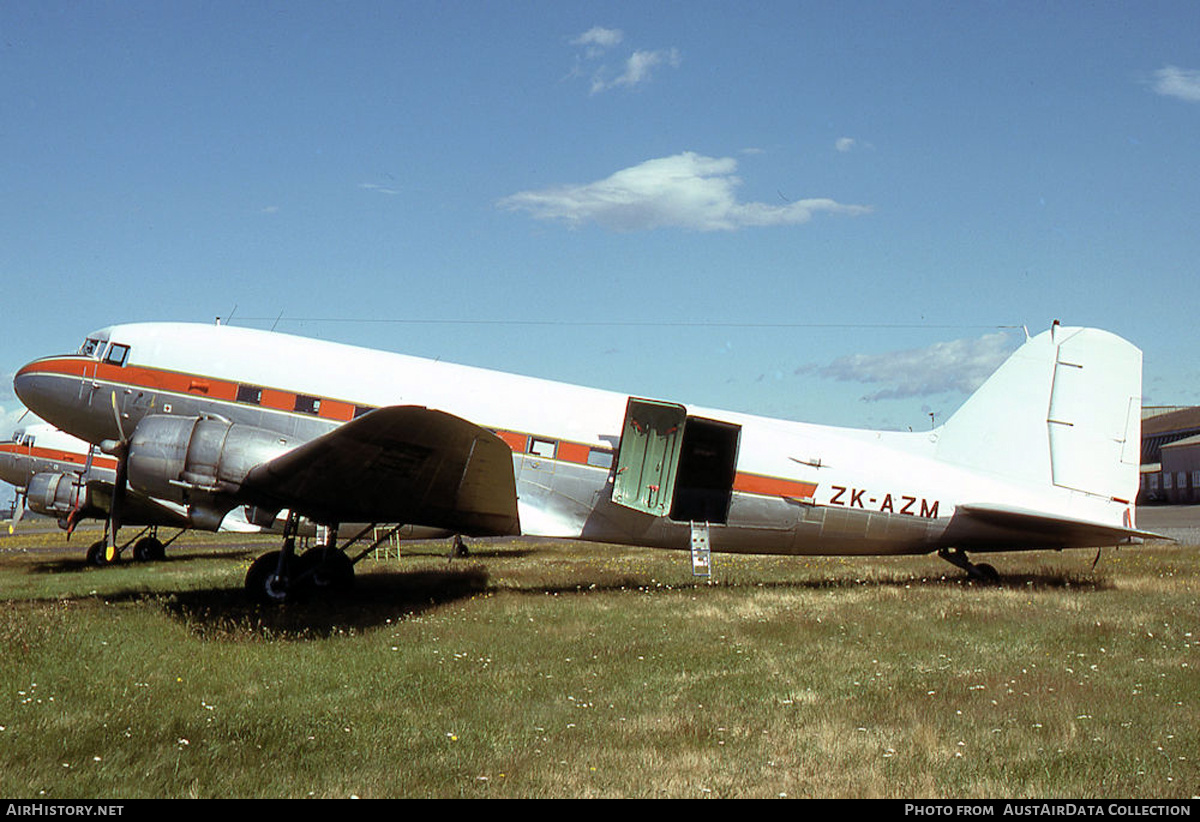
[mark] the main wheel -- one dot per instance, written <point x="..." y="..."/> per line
<point x="149" y="549"/>
<point x="986" y="573"/>
<point x="97" y="554"/>
<point x="325" y="569"/>
<point x="264" y="582"/>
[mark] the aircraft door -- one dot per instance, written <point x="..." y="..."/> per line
<point x="648" y="457"/>
<point x="707" y="469"/>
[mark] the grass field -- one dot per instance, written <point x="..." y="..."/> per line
<point x="545" y="669"/>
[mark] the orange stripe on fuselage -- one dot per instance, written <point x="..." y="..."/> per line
<point x="517" y="442"/>
<point x="55" y="455"/>
<point x="575" y="452"/>
<point x="773" y="486"/>
<point x="153" y="379"/>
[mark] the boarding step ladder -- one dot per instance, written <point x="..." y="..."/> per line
<point x="701" y="553"/>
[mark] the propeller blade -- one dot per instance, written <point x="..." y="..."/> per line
<point x="121" y="452"/>
<point x="117" y="417"/>
<point x="114" y="512"/>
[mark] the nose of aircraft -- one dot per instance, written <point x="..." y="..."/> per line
<point x="31" y="388"/>
<point x="56" y="389"/>
<point x="51" y="394"/>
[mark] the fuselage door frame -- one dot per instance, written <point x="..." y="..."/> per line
<point x="673" y="465"/>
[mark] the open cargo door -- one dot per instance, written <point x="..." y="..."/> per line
<point x="670" y="464"/>
<point x="648" y="458"/>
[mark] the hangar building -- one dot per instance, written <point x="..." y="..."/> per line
<point x="1170" y="456"/>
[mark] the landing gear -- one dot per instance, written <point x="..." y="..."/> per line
<point x="97" y="553"/>
<point x="325" y="568"/>
<point x="147" y="547"/>
<point x="270" y="578"/>
<point x="981" y="571"/>
<point x="283" y="576"/>
<point x="268" y="581"/>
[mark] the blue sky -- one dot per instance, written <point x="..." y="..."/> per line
<point x="836" y="212"/>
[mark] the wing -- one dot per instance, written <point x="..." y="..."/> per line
<point x="1054" y="531"/>
<point x="404" y="464"/>
<point x="136" y="508"/>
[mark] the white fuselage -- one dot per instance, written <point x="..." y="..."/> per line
<point x="798" y="488"/>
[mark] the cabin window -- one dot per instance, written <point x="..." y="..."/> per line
<point x="543" y="448"/>
<point x="117" y="354"/>
<point x="308" y="405"/>
<point x="250" y="394"/>
<point x="600" y="458"/>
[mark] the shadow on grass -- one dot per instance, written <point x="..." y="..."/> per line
<point x="79" y="564"/>
<point x="1043" y="580"/>
<point x="386" y="596"/>
<point x="1037" y="581"/>
<point x="374" y="600"/>
<point x="62" y="563"/>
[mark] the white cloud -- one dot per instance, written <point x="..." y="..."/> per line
<point x="686" y="190"/>
<point x="847" y="144"/>
<point x="597" y="39"/>
<point x="377" y="188"/>
<point x="955" y="366"/>
<point x="635" y="70"/>
<point x="1176" y="82"/>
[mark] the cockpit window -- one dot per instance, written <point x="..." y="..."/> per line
<point x="117" y="354"/>
<point x="91" y="347"/>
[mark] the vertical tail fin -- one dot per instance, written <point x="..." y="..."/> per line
<point x="1064" y="410"/>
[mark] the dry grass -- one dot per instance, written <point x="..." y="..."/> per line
<point x="548" y="670"/>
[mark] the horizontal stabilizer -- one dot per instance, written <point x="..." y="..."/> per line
<point x="400" y="464"/>
<point x="1058" y="531"/>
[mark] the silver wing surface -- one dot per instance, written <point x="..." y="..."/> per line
<point x="400" y="464"/>
<point x="136" y="508"/>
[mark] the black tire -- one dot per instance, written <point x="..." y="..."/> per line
<point x="325" y="569"/>
<point x="986" y="573"/>
<point x="149" y="549"/>
<point x="265" y="584"/>
<point x="97" y="554"/>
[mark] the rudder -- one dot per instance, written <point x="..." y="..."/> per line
<point x="1064" y="409"/>
<point x="1094" y="420"/>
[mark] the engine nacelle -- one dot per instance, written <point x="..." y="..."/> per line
<point x="56" y="494"/>
<point x="176" y="458"/>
